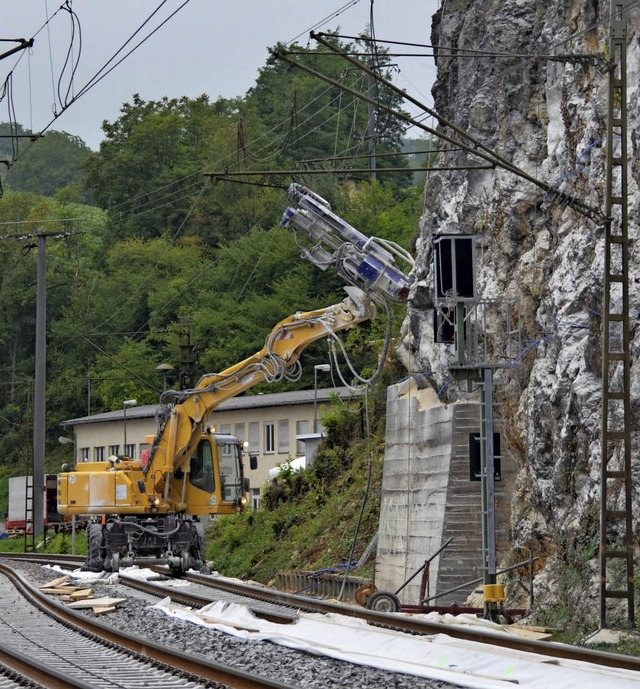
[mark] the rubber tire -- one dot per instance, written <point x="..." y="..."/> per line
<point x="197" y="547"/>
<point x="95" y="548"/>
<point x="383" y="601"/>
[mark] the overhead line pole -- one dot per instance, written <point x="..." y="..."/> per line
<point x="39" y="399"/>
<point x="23" y="46"/>
<point x="617" y="539"/>
<point x="371" y="126"/>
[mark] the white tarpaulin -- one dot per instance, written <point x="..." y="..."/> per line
<point x="140" y="573"/>
<point x="467" y="663"/>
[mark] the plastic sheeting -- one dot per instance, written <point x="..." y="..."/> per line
<point x="438" y="656"/>
<point x="140" y="573"/>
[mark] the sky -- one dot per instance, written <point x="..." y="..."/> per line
<point x="215" y="47"/>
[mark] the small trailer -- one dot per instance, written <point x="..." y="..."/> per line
<point x="18" y="521"/>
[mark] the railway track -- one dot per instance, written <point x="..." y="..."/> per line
<point x="53" y="646"/>
<point x="403" y="623"/>
<point x="282" y="607"/>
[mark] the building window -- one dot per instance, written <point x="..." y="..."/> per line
<point x="84" y="454"/>
<point x="302" y="428"/>
<point x="254" y="436"/>
<point x="130" y="450"/>
<point x="98" y="454"/>
<point x="238" y="431"/>
<point x="269" y="437"/>
<point x="114" y="450"/>
<point x="225" y="428"/>
<point x="283" y="436"/>
<point x="255" y="498"/>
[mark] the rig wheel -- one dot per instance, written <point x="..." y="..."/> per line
<point x="95" y="548"/>
<point x="383" y="601"/>
<point x="363" y="593"/>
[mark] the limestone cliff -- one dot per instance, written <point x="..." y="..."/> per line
<point x="549" y="118"/>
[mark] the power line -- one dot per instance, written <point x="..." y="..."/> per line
<point x="106" y="69"/>
<point x="328" y="18"/>
<point x="475" y="146"/>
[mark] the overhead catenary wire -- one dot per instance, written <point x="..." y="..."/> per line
<point x="284" y="135"/>
<point x="269" y="143"/>
<point x="475" y="147"/>
<point x="441" y="51"/>
<point x="70" y="57"/>
<point x="66" y="101"/>
<point x="107" y="68"/>
<point x="230" y="155"/>
<point x="336" y="13"/>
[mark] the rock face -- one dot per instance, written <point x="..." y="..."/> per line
<point x="549" y="118"/>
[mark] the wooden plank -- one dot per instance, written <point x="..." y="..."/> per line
<point x="54" y="583"/>
<point x="81" y="593"/>
<point x="96" y="602"/>
<point x="103" y="609"/>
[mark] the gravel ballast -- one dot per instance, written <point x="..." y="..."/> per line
<point x="279" y="662"/>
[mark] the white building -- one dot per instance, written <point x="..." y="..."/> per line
<point x="272" y="423"/>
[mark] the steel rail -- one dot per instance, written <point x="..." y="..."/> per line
<point x="38" y="672"/>
<point x="146" y="649"/>
<point x="44" y="559"/>
<point x="417" y="626"/>
<point x="404" y="623"/>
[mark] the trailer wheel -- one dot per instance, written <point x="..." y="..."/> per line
<point x="95" y="548"/>
<point x="383" y="601"/>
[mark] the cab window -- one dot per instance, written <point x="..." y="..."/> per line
<point x="201" y="470"/>
<point x="230" y="470"/>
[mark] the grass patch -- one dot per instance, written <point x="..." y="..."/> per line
<point x="308" y="519"/>
<point x="59" y="544"/>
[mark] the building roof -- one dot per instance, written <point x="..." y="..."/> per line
<point x="260" y="401"/>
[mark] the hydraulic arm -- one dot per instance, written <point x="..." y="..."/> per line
<point x="277" y="359"/>
<point x="146" y="508"/>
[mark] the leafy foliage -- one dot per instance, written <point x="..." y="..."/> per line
<point x="309" y="517"/>
<point x="51" y="163"/>
<point x="164" y="246"/>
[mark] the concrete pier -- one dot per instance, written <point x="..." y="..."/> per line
<point x="428" y="497"/>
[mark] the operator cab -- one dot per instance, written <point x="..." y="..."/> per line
<point x="216" y="479"/>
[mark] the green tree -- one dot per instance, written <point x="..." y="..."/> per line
<point x="149" y="169"/>
<point x="45" y="165"/>
<point x="120" y="320"/>
<point x="309" y="119"/>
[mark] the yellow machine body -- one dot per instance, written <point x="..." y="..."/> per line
<point x="213" y="483"/>
<point x="149" y="513"/>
